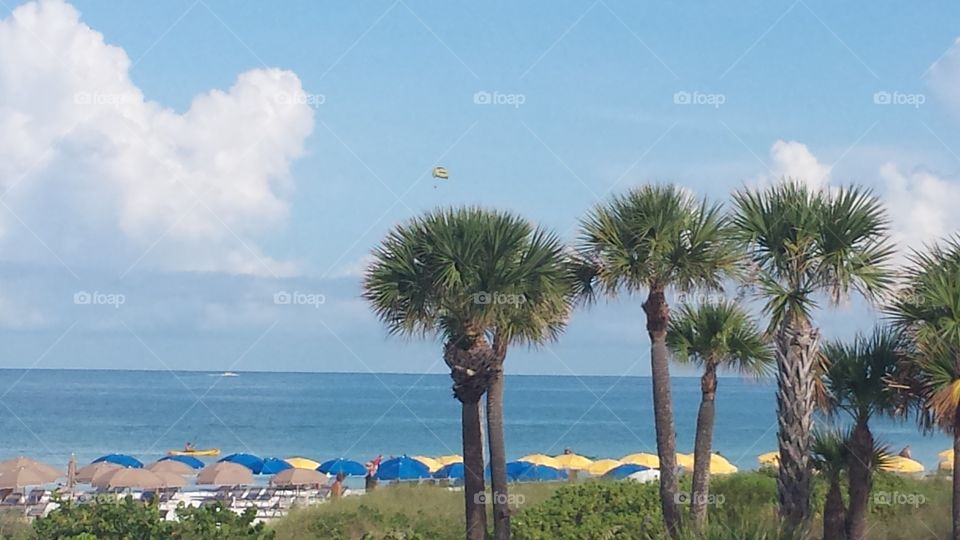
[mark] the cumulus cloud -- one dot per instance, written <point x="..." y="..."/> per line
<point x="944" y="78"/>
<point x="921" y="205"/>
<point x="792" y="159"/>
<point x="91" y="170"/>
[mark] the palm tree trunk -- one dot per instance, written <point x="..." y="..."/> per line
<point x="473" y="488"/>
<point x="498" y="457"/>
<point x="702" y="446"/>
<point x="796" y="349"/>
<point x="860" y="467"/>
<point x="833" y="512"/>
<point x="956" y="474"/>
<point x="658" y="316"/>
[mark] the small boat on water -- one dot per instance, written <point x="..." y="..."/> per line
<point x="209" y="452"/>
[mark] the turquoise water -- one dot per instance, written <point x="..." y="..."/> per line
<point x="49" y="414"/>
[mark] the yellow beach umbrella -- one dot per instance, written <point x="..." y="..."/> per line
<point x="946" y="454"/>
<point x="431" y="463"/>
<point x="601" y="467"/>
<point x="573" y="462"/>
<point x="302" y="463"/>
<point x="946" y="464"/>
<point x="718" y="464"/>
<point x="542" y="459"/>
<point x="642" y="458"/>
<point x="902" y="465"/>
<point x="447" y="460"/>
<point x="770" y="459"/>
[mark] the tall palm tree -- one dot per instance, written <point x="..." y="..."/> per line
<point x="928" y="309"/>
<point x="829" y="453"/>
<point x="803" y="243"/>
<point x="531" y="274"/>
<point x="856" y="381"/>
<point x="653" y="238"/>
<point x="714" y="336"/>
<point x="479" y="280"/>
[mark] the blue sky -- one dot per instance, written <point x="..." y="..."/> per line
<point x="193" y="159"/>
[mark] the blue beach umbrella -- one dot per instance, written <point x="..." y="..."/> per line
<point x="625" y="470"/>
<point x="345" y="466"/>
<point x="249" y="461"/>
<point x="530" y="472"/>
<point x="402" y="468"/>
<point x="453" y="471"/>
<point x="186" y="460"/>
<point x="274" y="465"/>
<point x="123" y="460"/>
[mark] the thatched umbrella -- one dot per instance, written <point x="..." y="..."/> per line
<point x="225" y="473"/>
<point x="129" y="478"/>
<point x="171" y="479"/>
<point x="298" y="477"/>
<point x="171" y="466"/>
<point x="87" y="474"/>
<point x="40" y="469"/>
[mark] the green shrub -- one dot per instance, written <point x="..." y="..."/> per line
<point x="128" y="519"/>
<point x="594" y="510"/>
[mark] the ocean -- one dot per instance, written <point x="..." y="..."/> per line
<point x="49" y="414"/>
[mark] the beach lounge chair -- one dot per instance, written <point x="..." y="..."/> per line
<point x="13" y="499"/>
<point x="35" y="497"/>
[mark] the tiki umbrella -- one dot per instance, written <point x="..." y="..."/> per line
<point x="169" y="466"/>
<point x="129" y="478"/>
<point x="86" y="474"/>
<point x="21" y="477"/>
<point x="298" y="477"/>
<point x="22" y="462"/>
<point x="225" y="473"/>
<point x="171" y="479"/>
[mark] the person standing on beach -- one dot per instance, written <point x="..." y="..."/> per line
<point x="370" y="481"/>
<point x="336" y="490"/>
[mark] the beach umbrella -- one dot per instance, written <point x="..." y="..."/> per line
<point x="431" y="463"/>
<point x="625" y="470"/>
<point x="345" y="466"/>
<point x="541" y="459"/>
<point x="171" y="479"/>
<point x="121" y="459"/>
<point x="649" y="475"/>
<point x="21" y="477"/>
<point x="447" y="460"/>
<point x="946" y="454"/>
<point x="41" y="469"/>
<point x="573" y="462"/>
<point x="901" y="465"/>
<point x="170" y="466"/>
<point x="225" y="473"/>
<point x="190" y="461"/>
<point x="453" y="471"/>
<point x="298" y="477"/>
<point x="303" y="463"/>
<point x="602" y="466"/>
<point x="249" y="461"/>
<point x="531" y="472"/>
<point x="402" y="468"/>
<point x="770" y="459"/>
<point x="642" y="458"/>
<point x="274" y="465"/>
<point x="946" y="464"/>
<point x="86" y="474"/>
<point x="129" y="478"/>
<point x="718" y="463"/>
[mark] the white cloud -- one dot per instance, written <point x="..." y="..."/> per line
<point x="99" y="172"/>
<point x="944" y="77"/>
<point x="792" y="159"/>
<point x="921" y="205"/>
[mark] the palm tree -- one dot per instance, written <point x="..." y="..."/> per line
<point x="479" y="280"/>
<point x="716" y="335"/>
<point x="532" y="275"/>
<point x="829" y="456"/>
<point x="803" y="243"/>
<point x="856" y="381"/>
<point x="928" y="309"/>
<point x="653" y="238"/>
